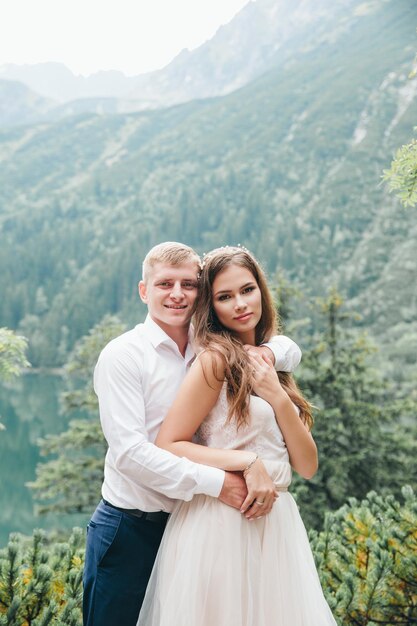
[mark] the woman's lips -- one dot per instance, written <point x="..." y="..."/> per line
<point x="243" y="317"/>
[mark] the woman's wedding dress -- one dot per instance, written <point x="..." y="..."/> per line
<point x="216" y="568"/>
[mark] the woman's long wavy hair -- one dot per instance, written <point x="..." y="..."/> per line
<point x="210" y="334"/>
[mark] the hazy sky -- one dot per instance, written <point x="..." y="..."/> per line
<point x="88" y="35"/>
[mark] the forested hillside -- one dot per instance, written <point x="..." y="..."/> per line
<point x="289" y="165"/>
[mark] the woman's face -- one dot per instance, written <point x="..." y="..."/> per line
<point x="237" y="301"/>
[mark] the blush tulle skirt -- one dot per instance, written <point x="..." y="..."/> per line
<point x="215" y="568"/>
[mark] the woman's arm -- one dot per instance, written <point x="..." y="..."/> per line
<point x="300" y="444"/>
<point x="197" y="396"/>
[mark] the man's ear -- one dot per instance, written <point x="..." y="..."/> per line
<point x="142" y="291"/>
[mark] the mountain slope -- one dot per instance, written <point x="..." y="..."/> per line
<point x="57" y="82"/>
<point x="20" y="105"/>
<point x="289" y="166"/>
<point x="263" y="35"/>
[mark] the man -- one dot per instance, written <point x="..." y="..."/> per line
<point x="136" y="380"/>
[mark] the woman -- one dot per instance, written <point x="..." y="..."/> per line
<point x="218" y="566"/>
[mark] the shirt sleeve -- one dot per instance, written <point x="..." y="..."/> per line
<point x="286" y="351"/>
<point x="117" y="383"/>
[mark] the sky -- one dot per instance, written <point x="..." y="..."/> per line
<point x="133" y="36"/>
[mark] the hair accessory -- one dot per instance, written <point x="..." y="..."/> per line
<point x="207" y="256"/>
<point x="204" y="261"/>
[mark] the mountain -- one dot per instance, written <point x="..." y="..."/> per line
<point x="263" y="35"/>
<point x="289" y="165"/>
<point x="57" y="82"/>
<point x="20" y="105"/>
<point x="99" y="106"/>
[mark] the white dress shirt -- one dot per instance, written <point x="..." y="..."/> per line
<point x="136" y="379"/>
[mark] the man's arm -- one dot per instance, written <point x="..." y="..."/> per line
<point x="283" y="352"/>
<point x="117" y="382"/>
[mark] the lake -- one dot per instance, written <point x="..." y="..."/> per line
<point x="29" y="409"/>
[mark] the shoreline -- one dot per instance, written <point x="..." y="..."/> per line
<point x="50" y="371"/>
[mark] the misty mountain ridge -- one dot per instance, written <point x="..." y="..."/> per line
<point x="21" y="105"/>
<point x="263" y="34"/>
<point x="57" y="82"/>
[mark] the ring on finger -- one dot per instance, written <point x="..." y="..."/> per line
<point x="260" y="502"/>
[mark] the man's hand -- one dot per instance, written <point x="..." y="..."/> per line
<point x="261" y="351"/>
<point x="234" y="490"/>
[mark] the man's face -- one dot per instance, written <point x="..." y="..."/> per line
<point x="170" y="292"/>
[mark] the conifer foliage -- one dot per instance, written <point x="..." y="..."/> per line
<point x="71" y="482"/>
<point x="41" y="584"/>
<point x="365" y="432"/>
<point x="402" y="175"/>
<point x="367" y="560"/>
<point x="12" y="356"/>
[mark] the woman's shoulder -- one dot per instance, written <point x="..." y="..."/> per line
<point x="212" y="362"/>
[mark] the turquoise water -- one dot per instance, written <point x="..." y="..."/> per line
<point x="29" y="409"/>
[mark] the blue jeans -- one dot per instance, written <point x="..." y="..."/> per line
<point x="120" y="553"/>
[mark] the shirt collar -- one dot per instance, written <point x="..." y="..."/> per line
<point x="157" y="336"/>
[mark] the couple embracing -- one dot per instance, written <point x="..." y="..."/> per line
<point x="210" y="439"/>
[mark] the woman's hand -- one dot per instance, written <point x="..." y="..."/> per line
<point x="262" y="492"/>
<point x="266" y="382"/>
<point x="300" y="444"/>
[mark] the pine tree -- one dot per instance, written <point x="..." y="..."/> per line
<point x="12" y="356"/>
<point x="41" y="583"/>
<point x="402" y="175"/>
<point x="364" y="434"/>
<point x="367" y="560"/>
<point x="71" y="482"/>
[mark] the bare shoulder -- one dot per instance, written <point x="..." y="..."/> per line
<point x="211" y="364"/>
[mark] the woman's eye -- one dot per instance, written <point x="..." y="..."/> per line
<point x="248" y="289"/>
<point x="223" y="297"/>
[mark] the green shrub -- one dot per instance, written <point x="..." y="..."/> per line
<point x="366" y="557"/>
<point x="41" y="582"/>
<point x="367" y="560"/>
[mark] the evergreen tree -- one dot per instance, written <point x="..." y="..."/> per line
<point x="71" y="482"/>
<point x="41" y="584"/>
<point x="12" y="356"/>
<point x="402" y="175"/>
<point x="364" y="434"/>
<point x="367" y="560"/>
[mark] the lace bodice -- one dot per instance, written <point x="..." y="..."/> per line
<point x="261" y="435"/>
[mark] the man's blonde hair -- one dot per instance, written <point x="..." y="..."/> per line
<point x="170" y="252"/>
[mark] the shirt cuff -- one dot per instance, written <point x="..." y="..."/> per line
<point x="210" y="481"/>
